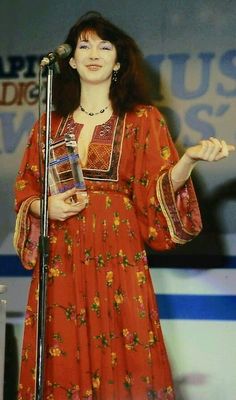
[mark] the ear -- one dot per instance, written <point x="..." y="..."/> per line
<point x="72" y="63"/>
<point x="116" y="67"/>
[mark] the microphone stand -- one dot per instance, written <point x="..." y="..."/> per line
<point x="43" y="249"/>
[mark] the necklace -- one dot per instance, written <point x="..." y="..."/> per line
<point x="91" y="114"/>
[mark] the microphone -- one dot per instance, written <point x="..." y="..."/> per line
<point x="61" y="51"/>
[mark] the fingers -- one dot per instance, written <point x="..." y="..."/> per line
<point x="214" y="149"/>
<point x="71" y="210"/>
<point x="67" y="194"/>
<point x="224" y="151"/>
<point x="217" y="149"/>
<point x="81" y="197"/>
<point x="74" y="196"/>
<point x="231" y="147"/>
<point x="61" y="207"/>
<point x="205" y="150"/>
<point x="76" y="207"/>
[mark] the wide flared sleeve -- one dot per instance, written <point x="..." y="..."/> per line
<point x="165" y="218"/>
<point x="27" y="189"/>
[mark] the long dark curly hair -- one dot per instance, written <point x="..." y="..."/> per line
<point x="131" y="87"/>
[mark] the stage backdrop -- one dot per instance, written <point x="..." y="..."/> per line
<point x="190" y="54"/>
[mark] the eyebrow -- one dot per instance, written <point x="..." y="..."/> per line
<point x="102" y="41"/>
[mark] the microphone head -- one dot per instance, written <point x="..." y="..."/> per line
<point x="63" y="50"/>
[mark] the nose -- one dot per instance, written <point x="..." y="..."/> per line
<point x="93" y="54"/>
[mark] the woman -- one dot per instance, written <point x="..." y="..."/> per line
<point x="103" y="335"/>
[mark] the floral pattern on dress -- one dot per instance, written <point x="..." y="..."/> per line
<point x="103" y="334"/>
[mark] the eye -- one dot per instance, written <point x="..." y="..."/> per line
<point x="83" y="45"/>
<point x="106" y="46"/>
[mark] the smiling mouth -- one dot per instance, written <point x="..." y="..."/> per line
<point x="93" y="67"/>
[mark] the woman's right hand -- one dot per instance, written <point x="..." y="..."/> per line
<point x="60" y="206"/>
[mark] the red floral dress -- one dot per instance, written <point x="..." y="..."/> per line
<point x="103" y="335"/>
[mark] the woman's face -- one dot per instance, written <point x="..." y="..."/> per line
<point x="94" y="59"/>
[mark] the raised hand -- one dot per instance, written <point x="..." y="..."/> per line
<point x="209" y="150"/>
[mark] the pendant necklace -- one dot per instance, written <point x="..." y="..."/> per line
<point x="91" y="114"/>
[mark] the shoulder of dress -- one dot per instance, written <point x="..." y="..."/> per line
<point x="56" y="121"/>
<point x="55" y="118"/>
<point x="145" y="111"/>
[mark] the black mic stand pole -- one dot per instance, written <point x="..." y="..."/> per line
<point x="43" y="250"/>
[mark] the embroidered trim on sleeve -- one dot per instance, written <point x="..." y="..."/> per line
<point x="166" y="197"/>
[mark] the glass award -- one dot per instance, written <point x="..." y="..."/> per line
<point x="65" y="171"/>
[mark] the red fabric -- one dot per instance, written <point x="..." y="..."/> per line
<point x="103" y="338"/>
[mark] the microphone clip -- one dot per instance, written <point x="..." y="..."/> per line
<point x="61" y="51"/>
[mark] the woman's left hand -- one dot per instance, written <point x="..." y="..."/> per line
<point x="209" y="150"/>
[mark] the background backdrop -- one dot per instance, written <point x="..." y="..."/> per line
<point x="190" y="54"/>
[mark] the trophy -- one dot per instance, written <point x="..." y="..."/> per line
<point x="65" y="171"/>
